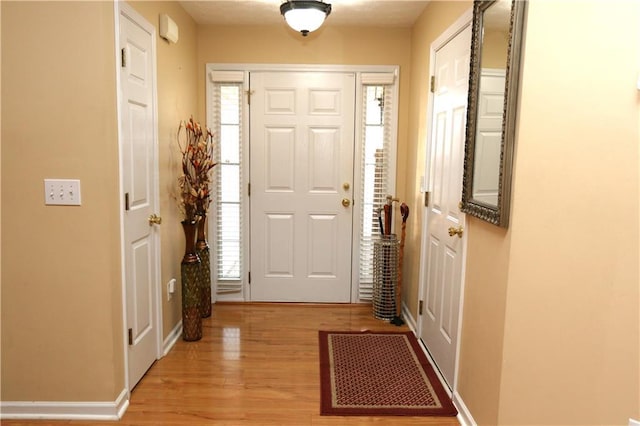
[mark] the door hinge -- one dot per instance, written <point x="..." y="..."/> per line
<point x="123" y="57"/>
<point x="249" y="93"/>
<point x="130" y="337"/>
<point x="249" y="277"/>
<point x="426" y="199"/>
<point x="433" y="84"/>
<point x="420" y="305"/>
<point x="249" y="189"/>
<point x="126" y="201"/>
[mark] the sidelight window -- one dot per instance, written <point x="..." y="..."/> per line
<point x="375" y="175"/>
<point x="227" y="124"/>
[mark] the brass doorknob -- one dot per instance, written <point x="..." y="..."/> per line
<point x="346" y="202"/>
<point x="456" y="231"/>
<point x="155" y="219"/>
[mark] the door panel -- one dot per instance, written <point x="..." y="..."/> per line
<point x="141" y="258"/>
<point x="302" y="139"/>
<point x="324" y="160"/>
<point x="443" y="253"/>
<point x="137" y="131"/>
<point x="489" y="136"/>
<point x="279" y="229"/>
<point x="322" y="231"/>
<point x="280" y="156"/>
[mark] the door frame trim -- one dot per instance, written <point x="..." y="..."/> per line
<point x="358" y="70"/>
<point x="447" y="35"/>
<point x="121" y="7"/>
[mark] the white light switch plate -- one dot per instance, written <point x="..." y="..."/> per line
<point x="171" y="288"/>
<point x="62" y="192"/>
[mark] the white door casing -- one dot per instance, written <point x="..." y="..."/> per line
<point x="442" y="259"/>
<point x="302" y="139"/>
<point x="137" y="112"/>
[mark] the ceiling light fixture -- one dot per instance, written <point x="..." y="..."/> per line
<point x="305" y="16"/>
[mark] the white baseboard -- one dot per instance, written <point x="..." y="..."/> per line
<point x="172" y="338"/>
<point x="464" y="415"/>
<point x="53" y="410"/>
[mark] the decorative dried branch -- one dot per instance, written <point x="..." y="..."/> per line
<point x="196" y="147"/>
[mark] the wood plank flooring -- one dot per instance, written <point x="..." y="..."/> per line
<point x="257" y="364"/>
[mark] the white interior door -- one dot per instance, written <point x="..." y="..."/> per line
<point x="442" y="265"/>
<point x="139" y="168"/>
<point x="488" y="142"/>
<point x="302" y="139"/>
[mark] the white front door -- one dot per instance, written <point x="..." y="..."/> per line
<point x="441" y="275"/>
<point x="302" y="140"/>
<point x="139" y="185"/>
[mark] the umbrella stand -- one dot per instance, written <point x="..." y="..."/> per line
<point x="397" y="320"/>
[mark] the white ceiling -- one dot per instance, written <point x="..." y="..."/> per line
<point x="375" y="13"/>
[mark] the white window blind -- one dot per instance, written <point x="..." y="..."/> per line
<point x="375" y="174"/>
<point x="227" y="117"/>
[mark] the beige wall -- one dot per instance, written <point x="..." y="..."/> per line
<point x="62" y="315"/>
<point x="495" y="45"/>
<point x="571" y="342"/>
<point x="487" y="245"/>
<point x="481" y="362"/>
<point x="177" y="100"/>
<point x="551" y="324"/>
<point x="329" y="45"/>
<point x="61" y="304"/>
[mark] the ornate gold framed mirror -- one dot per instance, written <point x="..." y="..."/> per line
<point x="491" y="115"/>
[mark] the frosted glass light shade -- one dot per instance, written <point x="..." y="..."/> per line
<point x="305" y="16"/>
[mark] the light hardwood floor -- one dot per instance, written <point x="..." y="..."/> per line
<point x="257" y="364"/>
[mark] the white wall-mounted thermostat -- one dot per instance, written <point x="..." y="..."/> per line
<point x="168" y="29"/>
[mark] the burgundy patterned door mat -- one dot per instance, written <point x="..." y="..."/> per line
<point x="378" y="374"/>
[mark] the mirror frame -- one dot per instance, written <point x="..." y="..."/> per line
<point x="497" y="215"/>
